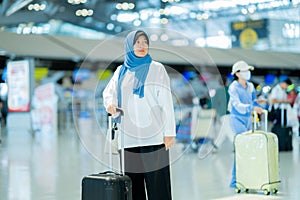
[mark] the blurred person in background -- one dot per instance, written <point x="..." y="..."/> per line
<point x="297" y="110"/>
<point x="220" y="104"/>
<point x="280" y="99"/>
<point x="292" y="95"/>
<point x="278" y="93"/>
<point x="242" y="103"/>
<point x="3" y="100"/>
<point x="282" y="115"/>
<point x="221" y="98"/>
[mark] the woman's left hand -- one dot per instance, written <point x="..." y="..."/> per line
<point x="169" y="142"/>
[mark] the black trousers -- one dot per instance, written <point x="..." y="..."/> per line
<point x="148" y="167"/>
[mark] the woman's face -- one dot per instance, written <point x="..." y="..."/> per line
<point x="245" y="75"/>
<point x="284" y="85"/>
<point x="141" y="46"/>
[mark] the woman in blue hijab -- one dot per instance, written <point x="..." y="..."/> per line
<point x="141" y="88"/>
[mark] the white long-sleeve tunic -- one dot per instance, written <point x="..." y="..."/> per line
<point x="146" y="120"/>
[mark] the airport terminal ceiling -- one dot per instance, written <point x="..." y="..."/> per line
<point x="204" y="23"/>
<point x="113" y="17"/>
<point x="194" y="19"/>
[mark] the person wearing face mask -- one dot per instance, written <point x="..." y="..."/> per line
<point x="141" y="88"/>
<point x="242" y="102"/>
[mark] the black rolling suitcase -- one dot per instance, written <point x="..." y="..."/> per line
<point x="285" y="137"/>
<point x="108" y="185"/>
<point x="283" y="132"/>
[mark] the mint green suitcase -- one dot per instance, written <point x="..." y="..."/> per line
<point x="256" y="157"/>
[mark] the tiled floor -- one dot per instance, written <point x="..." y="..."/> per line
<point x="47" y="166"/>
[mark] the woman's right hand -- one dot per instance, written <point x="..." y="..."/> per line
<point x="258" y="110"/>
<point x="112" y="109"/>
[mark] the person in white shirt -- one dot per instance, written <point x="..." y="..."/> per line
<point x="141" y="88"/>
<point x="278" y="94"/>
<point x="278" y="99"/>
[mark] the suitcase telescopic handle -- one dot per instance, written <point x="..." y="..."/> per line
<point x="265" y="112"/>
<point x="120" y="111"/>
<point x="122" y="155"/>
<point x="110" y="142"/>
<point x="283" y="108"/>
<point x="110" y="172"/>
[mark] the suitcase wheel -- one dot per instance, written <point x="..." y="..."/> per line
<point x="266" y="192"/>
<point x="275" y="190"/>
<point x="238" y="190"/>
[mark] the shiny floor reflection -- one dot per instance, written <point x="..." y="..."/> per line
<point x="45" y="166"/>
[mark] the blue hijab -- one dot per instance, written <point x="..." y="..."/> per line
<point x="139" y="65"/>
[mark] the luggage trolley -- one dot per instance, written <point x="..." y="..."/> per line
<point x="201" y="128"/>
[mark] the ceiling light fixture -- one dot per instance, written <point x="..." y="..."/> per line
<point x="251" y="10"/>
<point x="110" y="26"/>
<point x="125" y="6"/>
<point x="164" y="20"/>
<point x="144" y="15"/>
<point x="84" y="12"/>
<point x="36" y="7"/>
<point x="127" y="17"/>
<point x="137" y="22"/>
<point x="77" y="2"/>
<point x="154" y="37"/>
<point x="164" y="37"/>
